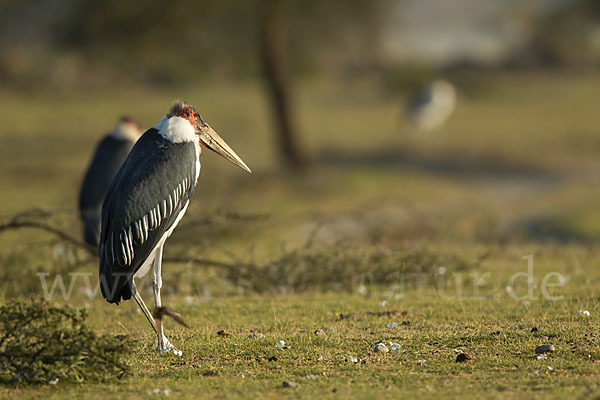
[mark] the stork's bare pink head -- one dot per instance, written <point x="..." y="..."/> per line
<point x="183" y="110"/>
<point x="208" y="137"/>
<point x="126" y="119"/>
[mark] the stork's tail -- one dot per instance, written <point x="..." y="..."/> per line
<point x="114" y="285"/>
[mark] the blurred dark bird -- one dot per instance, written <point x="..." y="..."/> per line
<point x="430" y="108"/>
<point x="110" y="154"/>
<point x="146" y="201"/>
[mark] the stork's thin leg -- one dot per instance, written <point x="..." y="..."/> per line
<point x="157" y="278"/>
<point x="164" y="345"/>
<point x="138" y="299"/>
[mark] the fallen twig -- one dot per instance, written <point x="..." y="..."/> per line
<point x="45" y="227"/>
<point x="209" y="263"/>
<point x="15" y="224"/>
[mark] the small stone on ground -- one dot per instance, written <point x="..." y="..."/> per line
<point x="463" y="357"/>
<point x="380" y="348"/>
<point x="545" y="348"/>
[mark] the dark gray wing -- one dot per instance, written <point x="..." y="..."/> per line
<point x="151" y="189"/>
<point x="106" y="162"/>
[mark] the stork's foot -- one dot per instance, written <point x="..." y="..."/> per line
<point x="165" y="347"/>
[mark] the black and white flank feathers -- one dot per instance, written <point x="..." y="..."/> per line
<point x="110" y="154"/>
<point x="145" y="202"/>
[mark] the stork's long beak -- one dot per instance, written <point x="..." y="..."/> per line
<point x="213" y="141"/>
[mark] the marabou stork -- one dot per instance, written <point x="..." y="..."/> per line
<point x="110" y="154"/>
<point x="147" y="199"/>
<point x="430" y="108"/>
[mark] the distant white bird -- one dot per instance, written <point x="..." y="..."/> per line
<point x="110" y="154"/>
<point x="429" y="109"/>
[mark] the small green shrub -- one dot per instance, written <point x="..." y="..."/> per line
<point x="40" y="342"/>
<point x="344" y="268"/>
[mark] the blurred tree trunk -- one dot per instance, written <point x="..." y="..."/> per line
<point x="274" y="59"/>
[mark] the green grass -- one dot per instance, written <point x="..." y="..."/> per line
<point x="495" y="333"/>
<point x="512" y="174"/>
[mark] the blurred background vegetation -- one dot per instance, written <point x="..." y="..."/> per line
<point x="312" y="95"/>
<point x="70" y="45"/>
<point x="64" y="46"/>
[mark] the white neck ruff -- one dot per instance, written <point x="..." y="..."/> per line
<point x="126" y="131"/>
<point x="176" y="130"/>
